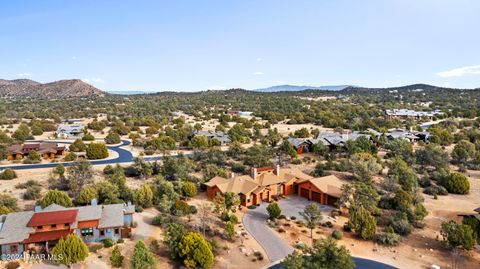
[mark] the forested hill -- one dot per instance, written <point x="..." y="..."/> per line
<point x="413" y="87"/>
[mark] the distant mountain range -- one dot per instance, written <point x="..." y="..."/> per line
<point x="295" y="88"/>
<point x="27" y="88"/>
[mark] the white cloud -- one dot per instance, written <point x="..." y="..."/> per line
<point x="86" y="80"/>
<point x="74" y="57"/>
<point x="259" y="59"/>
<point x="461" y="71"/>
<point x="23" y="75"/>
<point x="258" y="73"/>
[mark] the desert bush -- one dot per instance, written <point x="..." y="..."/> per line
<point x="435" y="190"/>
<point x="32" y="193"/>
<point x="337" y="234"/>
<point x="456" y="183"/>
<point x="107" y="243"/>
<point x="389" y="239"/>
<point x="8" y="174"/>
<point x="401" y="226"/>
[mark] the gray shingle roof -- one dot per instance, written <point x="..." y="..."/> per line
<point x="112" y="216"/>
<point x="15" y="229"/>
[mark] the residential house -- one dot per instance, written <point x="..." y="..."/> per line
<point x="46" y="150"/>
<point x="300" y="145"/>
<point x="267" y="182"/>
<point x="337" y="139"/>
<point x="39" y="230"/>
<point x="220" y="136"/>
<point x="70" y="131"/>
<point x="409" y="113"/>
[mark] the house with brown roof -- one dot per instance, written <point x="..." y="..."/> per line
<point x="38" y="231"/>
<point x="267" y="182"/>
<point x="46" y="150"/>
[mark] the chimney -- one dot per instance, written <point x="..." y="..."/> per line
<point x="37" y="208"/>
<point x="94" y="201"/>
<point x="277" y="170"/>
<point x="254" y="173"/>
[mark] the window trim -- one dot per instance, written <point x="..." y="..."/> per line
<point x="88" y="230"/>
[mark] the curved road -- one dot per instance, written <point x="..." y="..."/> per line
<point x="275" y="247"/>
<point x="360" y="263"/>
<point x="124" y="156"/>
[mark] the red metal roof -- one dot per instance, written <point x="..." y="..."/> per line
<point x="53" y="217"/>
<point x="47" y="236"/>
<point x="265" y="168"/>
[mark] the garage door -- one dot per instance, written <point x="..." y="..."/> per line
<point x="332" y="200"/>
<point x="304" y="193"/>
<point x="316" y="196"/>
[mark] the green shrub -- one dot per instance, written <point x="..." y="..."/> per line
<point x="32" y="193"/>
<point x="273" y="210"/>
<point x="436" y="190"/>
<point x="251" y="206"/>
<point x="97" y="151"/>
<point x="389" y="239"/>
<point x="8" y="174"/>
<point x="337" y="234"/>
<point x="70" y="157"/>
<point x="107" y="243"/>
<point x="347" y="227"/>
<point x="402" y="226"/>
<point x="456" y="183"/>
<point x="116" y="259"/>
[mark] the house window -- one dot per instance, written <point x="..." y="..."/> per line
<point x="39" y="227"/>
<point x="102" y="233"/>
<point x="291" y="187"/>
<point x="248" y="199"/>
<point x="87" y="232"/>
<point x="13" y="248"/>
<point x="66" y="225"/>
<point x="54" y="225"/>
<point x="116" y="231"/>
<point x="279" y="189"/>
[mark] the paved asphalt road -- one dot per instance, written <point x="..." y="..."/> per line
<point x="275" y="247"/>
<point x="124" y="156"/>
<point x="359" y="264"/>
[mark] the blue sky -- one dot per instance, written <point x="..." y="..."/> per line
<point x="197" y="45"/>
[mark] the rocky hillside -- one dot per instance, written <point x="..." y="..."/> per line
<point x="25" y="88"/>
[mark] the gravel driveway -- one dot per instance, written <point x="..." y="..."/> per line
<point x="255" y="222"/>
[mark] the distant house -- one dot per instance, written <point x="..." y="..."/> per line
<point x="46" y="150"/>
<point x="266" y="182"/>
<point x="39" y="230"/>
<point x="300" y="145"/>
<point x="245" y="113"/>
<point x="337" y="139"/>
<point x="408" y="113"/>
<point x="70" y="131"/>
<point x="239" y="113"/>
<point x="220" y="136"/>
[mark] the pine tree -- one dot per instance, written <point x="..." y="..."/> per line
<point x="142" y="257"/>
<point x="116" y="259"/>
<point x="70" y="250"/>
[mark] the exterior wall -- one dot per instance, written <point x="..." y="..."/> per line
<point x="211" y="191"/>
<point x="311" y="188"/>
<point x="48" y="228"/>
<point x="109" y="233"/>
<point x="5" y="250"/>
<point x="128" y="220"/>
<point x="289" y="187"/>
